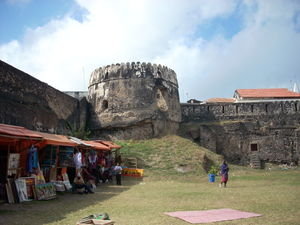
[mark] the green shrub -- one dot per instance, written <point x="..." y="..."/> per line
<point x="213" y="170"/>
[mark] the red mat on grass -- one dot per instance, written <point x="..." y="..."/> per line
<point x="214" y="215"/>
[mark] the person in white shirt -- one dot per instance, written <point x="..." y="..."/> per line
<point x="77" y="157"/>
<point x="118" y="172"/>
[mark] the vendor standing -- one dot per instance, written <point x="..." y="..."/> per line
<point x="118" y="172"/>
<point x="77" y="158"/>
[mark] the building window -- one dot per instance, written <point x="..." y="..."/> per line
<point x="236" y="109"/>
<point x="253" y="147"/>
<point x="207" y="108"/>
<point x="296" y="108"/>
<point x="266" y="108"/>
<point x="252" y="108"/>
<point x="223" y="109"/>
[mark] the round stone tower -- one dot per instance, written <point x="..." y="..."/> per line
<point x="134" y="101"/>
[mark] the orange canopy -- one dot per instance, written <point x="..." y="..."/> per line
<point x="97" y="145"/>
<point x="18" y="132"/>
<point x="110" y="144"/>
<point x="55" y="139"/>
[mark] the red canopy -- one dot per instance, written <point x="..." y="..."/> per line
<point x="18" y="132"/>
<point x="110" y="144"/>
<point x="97" y="145"/>
<point x="55" y="139"/>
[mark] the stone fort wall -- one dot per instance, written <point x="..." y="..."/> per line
<point x="26" y="101"/>
<point x="223" y="111"/>
<point x="267" y="131"/>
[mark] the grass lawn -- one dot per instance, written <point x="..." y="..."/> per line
<point x="175" y="180"/>
<point x="275" y="194"/>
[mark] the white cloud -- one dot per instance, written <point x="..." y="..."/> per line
<point x="64" y="52"/>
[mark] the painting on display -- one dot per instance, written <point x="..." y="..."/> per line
<point x="45" y="191"/>
<point x="13" y="163"/>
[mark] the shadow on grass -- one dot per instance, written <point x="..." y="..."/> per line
<point x="43" y="212"/>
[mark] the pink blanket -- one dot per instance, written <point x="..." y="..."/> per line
<point x="208" y="216"/>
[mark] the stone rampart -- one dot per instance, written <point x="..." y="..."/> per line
<point x="224" y="111"/>
<point x="28" y="102"/>
<point x="270" y="131"/>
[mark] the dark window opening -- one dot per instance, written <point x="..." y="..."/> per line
<point x="106" y="76"/>
<point x="223" y="109"/>
<point x="252" y="108"/>
<point x="104" y="105"/>
<point x="253" y="147"/>
<point x="266" y="108"/>
<point x="207" y="108"/>
<point x="236" y="109"/>
<point x="296" y="108"/>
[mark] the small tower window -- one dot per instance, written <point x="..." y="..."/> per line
<point x="104" y="104"/>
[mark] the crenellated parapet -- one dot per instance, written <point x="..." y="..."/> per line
<point x="238" y="110"/>
<point x="133" y="70"/>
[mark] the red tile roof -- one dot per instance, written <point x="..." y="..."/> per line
<point x="267" y="93"/>
<point x="219" y="100"/>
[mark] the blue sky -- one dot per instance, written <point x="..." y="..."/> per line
<point x="214" y="46"/>
<point x="19" y="15"/>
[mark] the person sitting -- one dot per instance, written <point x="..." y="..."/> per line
<point x="80" y="186"/>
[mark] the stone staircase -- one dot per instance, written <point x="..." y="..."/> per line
<point x="255" y="162"/>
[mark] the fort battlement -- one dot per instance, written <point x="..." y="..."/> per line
<point x="223" y="111"/>
<point x="133" y="70"/>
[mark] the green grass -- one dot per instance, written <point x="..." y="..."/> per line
<point x="272" y="193"/>
<point x="170" y="155"/>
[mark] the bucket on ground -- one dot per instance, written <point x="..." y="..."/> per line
<point x="211" y="177"/>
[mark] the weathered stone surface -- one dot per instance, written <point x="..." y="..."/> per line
<point x="134" y="100"/>
<point x="28" y="102"/>
<point x="231" y="129"/>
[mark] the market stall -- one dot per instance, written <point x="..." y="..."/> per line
<point x="34" y="165"/>
<point x="14" y="144"/>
